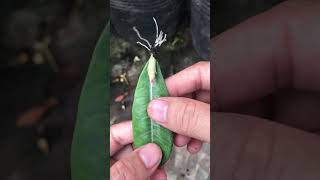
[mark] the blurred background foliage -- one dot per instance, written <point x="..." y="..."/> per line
<point x="45" y="48"/>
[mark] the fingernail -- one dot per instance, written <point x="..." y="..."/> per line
<point x="158" y="110"/>
<point x="150" y="155"/>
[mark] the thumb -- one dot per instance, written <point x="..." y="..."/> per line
<point x="139" y="165"/>
<point x="183" y="116"/>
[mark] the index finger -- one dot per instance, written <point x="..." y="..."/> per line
<point x="120" y="135"/>
<point x="274" y="50"/>
<point x="191" y="79"/>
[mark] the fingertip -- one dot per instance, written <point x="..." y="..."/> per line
<point x="194" y="146"/>
<point x="155" y="148"/>
<point x="186" y="81"/>
<point x="150" y="155"/>
<point x="157" y="110"/>
<point x="181" y="140"/>
<point x="159" y="174"/>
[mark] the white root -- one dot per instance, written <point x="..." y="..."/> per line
<point x="160" y="38"/>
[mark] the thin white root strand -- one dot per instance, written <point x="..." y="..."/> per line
<point x="155" y="21"/>
<point x="144" y="45"/>
<point x="160" y="38"/>
<point x="143" y="39"/>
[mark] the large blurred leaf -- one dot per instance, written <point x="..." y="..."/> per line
<point x="146" y="130"/>
<point x="90" y="147"/>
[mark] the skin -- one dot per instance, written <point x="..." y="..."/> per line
<point x="266" y="96"/>
<point x="188" y="117"/>
<point x="127" y="163"/>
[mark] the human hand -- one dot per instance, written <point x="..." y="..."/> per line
<point x="126" y="163"/>
<point x="262" y="89"/>
<point x="187" y="110"/>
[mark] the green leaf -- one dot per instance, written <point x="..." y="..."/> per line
<point x="90" y="147"/>
<point x="145" y="130"/>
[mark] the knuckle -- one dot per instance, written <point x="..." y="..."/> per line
<point x="124" y="170"/>
<point x="114" y="135"/>
<point x="188" y="117"/>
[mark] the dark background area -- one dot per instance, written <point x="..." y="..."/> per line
<point x="45" y="47"/>
<point x="228" y="13"/>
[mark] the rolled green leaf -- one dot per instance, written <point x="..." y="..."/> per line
<point x="90" y="147"/>
<point x="150" y="85"/>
